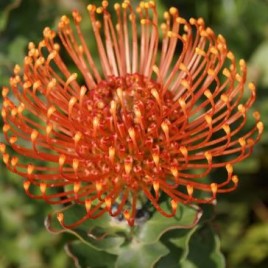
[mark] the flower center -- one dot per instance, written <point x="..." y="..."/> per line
<point x="128" y="122"/>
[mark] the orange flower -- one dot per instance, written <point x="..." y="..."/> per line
<point x="160" y="114"/>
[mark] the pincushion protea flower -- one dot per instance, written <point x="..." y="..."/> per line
<point x="155" y="119"/>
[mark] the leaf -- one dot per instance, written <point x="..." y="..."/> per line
<point x="204" y="250"/>
<point x="187" y="217"/>
<point x="253" y="246"/>
<point x="177" y="242"/>
<point x="248" y="166"/>
<point x="84" y="256"/>
<point x="16" y="49"/>
<point x="137" y="247"/>
<point x="137" y="254"/>
<point x="105" y="241"/>
<point x="6" y="11"/>
<point x="101" y="226"/>
<point x="258" y="64"/>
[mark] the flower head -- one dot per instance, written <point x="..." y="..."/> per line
<point x="155" y="119"/>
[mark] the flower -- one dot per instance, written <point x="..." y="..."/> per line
<point x="155" y="119"/>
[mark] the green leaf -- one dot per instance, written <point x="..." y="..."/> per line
<point x="108" y="244"/>
<point x="101" y="226"/>
<point x="204" y="250"/>
<point x="16" y="49"/>
<point x="84" y="256"/>
<point x="187" y="217"/>
<point x="177" y="242"/>
<point x="139" y="246"/>
<point x="4" y="14"/>
<point x="106" y="241"/>
<point x="137" y="254"/>
<point x="149" y="232"/>
<point x="258" y="64"/>
<point x="253" y="245"/>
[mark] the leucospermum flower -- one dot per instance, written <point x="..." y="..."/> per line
<point x="166" y="107"/>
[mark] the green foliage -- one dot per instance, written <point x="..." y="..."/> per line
<point x="122" y="246"/>
<point x="188" y="240"/>
<point x="254" y="245"/>
<point x="86" y="256"/>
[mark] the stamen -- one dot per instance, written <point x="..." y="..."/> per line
<point x="260" y="127"/>
<point x="50" y="111"/>
<point x="43" y="188"/>
<point x="60" y="217"/>
<point x="208" y="156"/>
<point x="99" y="186"/>
<point x="96" y="124"/>
<point x="70" y="79"/>
<point x="77" y="186"/>
<point x="6" y="159"/>
<point x="75" y="165"/>
<point x="77" y="138"/>
<point x="174" y="171"/>
<point x="2" y="148"/>
<point x="156" y="96"/>
<point x="156" y="187"/>
<point x="235" y="179"/>
<point x="71" y="104"/>
<point x="128" y="165"/>
<point x="34" y="136"/>
<point x="165" y="129"/>
<point x="30" y="169"/>
<point x="14" y="161"/>
<point x="111" y="154"/>
<point x="26" y="185"/>
<point x="229" y="169"/>
<point x="156" y="155"/>
<point x="108" y="203"/>
<point x="190" y="190"/>
<point x="88" y="205"/>
<point x="62" y="159"/>
<point x="184" y="152"/>
<point x="12" y="140"/>
<point x="214" y="189"/>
